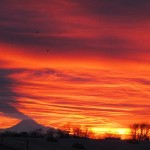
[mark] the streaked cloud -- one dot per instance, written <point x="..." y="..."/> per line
<point x="77" y="96"/>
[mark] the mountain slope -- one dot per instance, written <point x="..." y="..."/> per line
<point x="26" y="125"/>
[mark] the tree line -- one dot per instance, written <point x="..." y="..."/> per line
<point x="139" y="131"/>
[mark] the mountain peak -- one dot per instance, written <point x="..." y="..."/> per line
<point x="26" y="125"/>
<point x="28" y="121"/>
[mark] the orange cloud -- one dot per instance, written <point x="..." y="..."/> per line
<point x="99" y="98"/>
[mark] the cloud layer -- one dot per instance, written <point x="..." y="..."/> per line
<point x="95" y="98"/>
<point x="113" y="30"/>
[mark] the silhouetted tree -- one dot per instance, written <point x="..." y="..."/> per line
<point x="134" y="131"/>
<point x="140" y="131"/>
<point x="87" y="133"/>
<point x="77" y="131"/>
<point x="67" y="127"/>
<point x="84" y="132"/>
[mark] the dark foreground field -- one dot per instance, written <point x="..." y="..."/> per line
<point x="5" y="147"/>
<point x="67" y="144"/>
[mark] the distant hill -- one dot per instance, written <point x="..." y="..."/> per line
<point x="26" y="125"/>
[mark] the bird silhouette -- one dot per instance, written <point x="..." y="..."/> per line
<point x="47" y="50"/>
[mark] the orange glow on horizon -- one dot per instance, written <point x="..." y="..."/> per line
<point x="123" y="133"/>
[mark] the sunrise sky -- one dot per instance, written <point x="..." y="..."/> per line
<point x="82" y="62"/>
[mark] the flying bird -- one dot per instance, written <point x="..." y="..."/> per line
<point x="47" y="50"/>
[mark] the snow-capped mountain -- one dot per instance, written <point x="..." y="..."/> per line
<point x="26" y="125"/>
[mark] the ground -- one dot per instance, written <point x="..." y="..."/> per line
<point x="4" y="147"/>
<point x="66" y="144"/>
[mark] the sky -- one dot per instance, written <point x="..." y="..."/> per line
<point x="75" y="61"/>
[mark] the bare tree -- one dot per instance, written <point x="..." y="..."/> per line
<point x="67" y="127"/>
<point x="84" y="132"/>
<point x="134" y="131"/>
<point x="77" y="131"/>
<point x="144" y="131"/>
<point x="87" y="133"/>
<point x="140" y="131"/>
